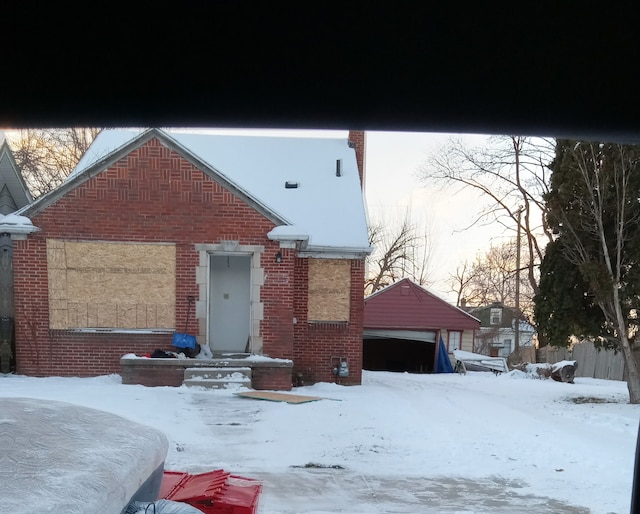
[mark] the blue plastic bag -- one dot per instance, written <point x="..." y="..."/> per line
<point x="184" y="340"/>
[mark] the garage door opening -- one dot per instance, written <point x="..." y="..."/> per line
<point x="386" y="354"/>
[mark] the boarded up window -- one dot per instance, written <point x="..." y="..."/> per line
<point x="111" y="285"/>
<point x="329" y="290"/>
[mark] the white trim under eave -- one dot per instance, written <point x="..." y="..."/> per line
<point x="324" y="252"/>
<point x="289" y="237"/>
<point x="333" y="255"/>
<point x="17" y="232"/>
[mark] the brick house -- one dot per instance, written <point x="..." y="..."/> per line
<point x="254" y="244"/>
<point x="403" y="324"/>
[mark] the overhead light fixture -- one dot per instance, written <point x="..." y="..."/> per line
<point x="278" y="257"/>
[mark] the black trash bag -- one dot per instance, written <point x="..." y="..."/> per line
<point x="161" y="354"/>
<point x="191" y="352"/>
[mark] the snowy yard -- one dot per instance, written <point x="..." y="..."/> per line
<point x="399" y="443"/>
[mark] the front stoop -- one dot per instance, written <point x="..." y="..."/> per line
<point x="267" y="373"/>
<point x="217" y="377"/>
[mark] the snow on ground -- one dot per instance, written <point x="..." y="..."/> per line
<point x="571" y="443"/>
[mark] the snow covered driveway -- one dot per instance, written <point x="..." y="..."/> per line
<point x="400" y="443"/>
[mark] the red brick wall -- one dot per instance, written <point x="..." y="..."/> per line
<point x="151" y="195"/>
<point x="265" y="378"/>
<point x="277" y="296"/>
<point x="151" y="375"/>
<point x="357" y="139"/>
<point x="316" y="344"/>
<point x="154" y="195"/>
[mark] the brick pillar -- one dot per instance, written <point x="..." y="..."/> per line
<point x="357" y="141"/>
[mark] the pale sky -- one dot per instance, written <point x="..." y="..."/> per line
<point x="393" y="160"/>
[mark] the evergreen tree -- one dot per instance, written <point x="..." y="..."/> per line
<point x="564" y="308"/>
<point x="589" y="283"/>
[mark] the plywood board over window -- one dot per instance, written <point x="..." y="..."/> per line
<point x="329" y="290"/>
<point x="111" y="285"/>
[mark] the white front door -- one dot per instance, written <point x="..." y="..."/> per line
<point x="230" y="303"/>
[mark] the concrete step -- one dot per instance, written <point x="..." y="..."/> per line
<point x="214" y="383"/>
<point x="217" y="372"/>
<point x="217" y="377"/>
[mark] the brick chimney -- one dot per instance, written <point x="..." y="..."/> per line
<point x="357" y="141"/>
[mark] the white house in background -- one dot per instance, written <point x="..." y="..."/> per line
<point x="497" y="333"/>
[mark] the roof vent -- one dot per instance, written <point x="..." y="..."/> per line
<point x="404" y="290"/>
<point x="290" y="184"/>
<point x="338" y="167"/>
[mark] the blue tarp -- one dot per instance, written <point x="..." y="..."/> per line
<point x="443" y="363"/>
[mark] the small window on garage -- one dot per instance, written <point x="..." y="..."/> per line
<point x="455" y="340"/>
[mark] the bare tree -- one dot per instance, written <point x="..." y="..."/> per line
<point x="401" y="250"/>
<point x="47" y="156"/>
<point x="460" y="284"/>
<point x="511" y="173"/>
<point x="492" y="277"/>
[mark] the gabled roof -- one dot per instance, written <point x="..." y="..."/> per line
<point x="322" y="210"/>
<point x="483" y="313"/>
<point x="406" y="305"/>
<point x="492" y="305"/>
<point x="14" y="193"/>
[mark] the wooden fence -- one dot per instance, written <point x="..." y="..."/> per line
<point x="592" y="363"/>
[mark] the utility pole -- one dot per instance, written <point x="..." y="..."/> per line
<point x="517" y="317"/>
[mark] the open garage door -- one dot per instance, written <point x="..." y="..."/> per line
<point x="399" y="350"/>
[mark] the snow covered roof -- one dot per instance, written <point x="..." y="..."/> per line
<point x="16" y="224"/>
<point x="292" y="180"/>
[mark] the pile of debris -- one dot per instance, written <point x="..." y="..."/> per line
<point x="563" y="371"/>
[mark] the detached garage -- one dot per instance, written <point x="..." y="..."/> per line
<point x="402" y="324"/>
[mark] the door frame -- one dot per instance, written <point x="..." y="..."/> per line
<point x="203" y="280"/>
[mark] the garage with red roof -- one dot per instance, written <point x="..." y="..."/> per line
<point x="402" y="324"/>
